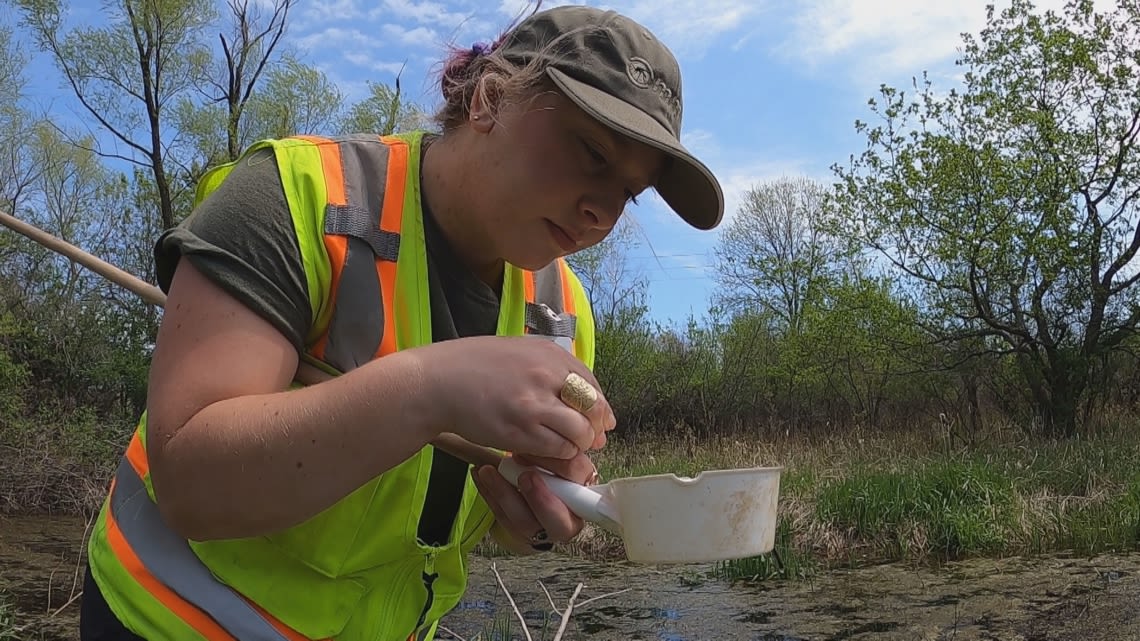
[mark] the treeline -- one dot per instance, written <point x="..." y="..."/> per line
<point x="973" y="266"/>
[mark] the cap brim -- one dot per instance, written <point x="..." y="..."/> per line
<point x="686" y="185"/>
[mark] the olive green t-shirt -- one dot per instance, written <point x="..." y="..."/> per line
<point x="242" y="238"/>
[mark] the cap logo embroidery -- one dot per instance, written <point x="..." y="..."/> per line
<point x="642" y="75"/>
<point x="639" y="72"/>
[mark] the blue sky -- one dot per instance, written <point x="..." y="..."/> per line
<point x="770" y="88"/>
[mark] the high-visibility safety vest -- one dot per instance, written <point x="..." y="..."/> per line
<point x="358" y="570"/>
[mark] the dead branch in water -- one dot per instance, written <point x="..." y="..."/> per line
<point x="563" y="614"/>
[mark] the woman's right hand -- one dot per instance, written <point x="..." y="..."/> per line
<point x="504" y="392"/>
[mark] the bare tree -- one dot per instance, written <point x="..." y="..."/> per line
<point x="246" y="55"/>
<point x="611" y="282"/>
<point x="775" y="250"/>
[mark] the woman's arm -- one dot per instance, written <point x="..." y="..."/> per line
<point x="231" y="454"/>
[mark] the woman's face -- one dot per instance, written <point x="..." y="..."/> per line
<point x="554" y="180"/>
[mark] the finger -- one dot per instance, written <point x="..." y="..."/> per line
<point x="599" y="441"/>
<point x="506" y="503"/>
<point x="585" y="396"/>
<point x="571" y="425"/>
<point x="554" y="516"/>
<point x="579" y="469"/>
<point x="601" y="417"/>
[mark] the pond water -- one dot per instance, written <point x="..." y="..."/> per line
<point x="1044" y="598"/>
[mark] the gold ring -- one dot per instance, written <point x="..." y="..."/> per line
<point x="578" y="393"/>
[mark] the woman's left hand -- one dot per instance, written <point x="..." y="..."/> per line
<point x="531" y="515"/>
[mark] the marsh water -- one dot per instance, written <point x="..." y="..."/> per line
<point x="1042" y="598"/>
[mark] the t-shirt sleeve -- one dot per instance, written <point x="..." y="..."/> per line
<point x="242" y="238"/>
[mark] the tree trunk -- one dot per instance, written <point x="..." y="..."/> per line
<point x="1067" y="383"/>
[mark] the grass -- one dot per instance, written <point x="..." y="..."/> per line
<point x="846" y="498"/>
<point x="58" y="460"/>
<point x="863" y="497"/>
<point x="504" y="627"/>
<point x="10" y="627"/>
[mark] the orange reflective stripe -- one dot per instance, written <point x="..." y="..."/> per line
<point x="528" y="292"/>
<point x="567" y="290"/>
<point x="337" y="248"/>
<point x="387" y="271"/>
<point x="528" y="286"/>
<point x="568" y="298"/>
<point x="391" y="220"/>
<point x="193" y="617"/>
<point x="136" y="456"/>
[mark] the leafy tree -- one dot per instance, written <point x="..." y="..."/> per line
<point x="384" y="112"/>
<point x="296" y="98"/>
<point x="860" y="337"/>
<point x="1010" y="203"/>
<point x="17" y="171"/>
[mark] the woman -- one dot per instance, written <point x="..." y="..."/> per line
<point x="250" y="507"/>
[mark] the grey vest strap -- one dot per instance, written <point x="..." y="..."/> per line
<point x="357" y="324"/>
<point x="171" y="561"/>
<point x="547" y="316"/>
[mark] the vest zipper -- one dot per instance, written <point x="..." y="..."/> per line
<point x="429" y="577"/>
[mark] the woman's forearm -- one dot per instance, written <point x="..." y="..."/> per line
<point x="256" y="464"/>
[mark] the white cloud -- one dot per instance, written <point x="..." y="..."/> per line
<point x="323" y="11"/>
<point x="424" y="12"/>
<point x="686" y="26"/>
<point x="343" y="37"/>
<point x="372" y="64"/>
<point x="516" y="8"/>
<point x="690" y="26"/>
<point x="880" y="38"/>
<point x="417" y="36"/>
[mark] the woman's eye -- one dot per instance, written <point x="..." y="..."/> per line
<point x="595" y="155"/>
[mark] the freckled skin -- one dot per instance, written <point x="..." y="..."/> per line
<point x="542" y="161"/>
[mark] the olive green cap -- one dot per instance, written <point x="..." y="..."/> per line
<point x="617" y="71"/>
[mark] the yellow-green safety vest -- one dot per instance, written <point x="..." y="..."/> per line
<point x="357" y="571"/>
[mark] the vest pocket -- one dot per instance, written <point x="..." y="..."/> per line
<point x="372" y="527"/>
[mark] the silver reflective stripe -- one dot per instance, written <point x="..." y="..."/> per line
<point x="170" y="559"/>
<point x="546" y="316"/>
<point x="548" y="286"/>
<point x="357" y="324"/>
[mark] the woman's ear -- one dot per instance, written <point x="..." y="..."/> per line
<point x="480" y="113"/>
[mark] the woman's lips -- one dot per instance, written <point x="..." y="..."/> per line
<point x="564" y="240"/>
